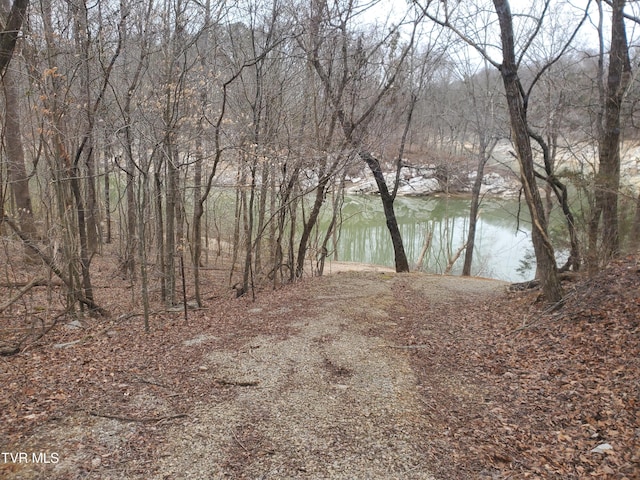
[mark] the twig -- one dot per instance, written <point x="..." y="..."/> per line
<point x="33" y="283"/>
<point x="235" y="437"/>
<point x="17" y="347"/>
<point x="133" y="419"/>
<point x="250" y="351"/>
<point x="52" y="266"/>
<point x="36" y="283"/>
<point x="423" y="345"/>
<point x="149" y="382"/>
<point x="234" y="383"/>
<point x="551" y="308"/>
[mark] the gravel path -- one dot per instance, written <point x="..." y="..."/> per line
<point x="347" y="376"/>
<point x="330" y="401"/>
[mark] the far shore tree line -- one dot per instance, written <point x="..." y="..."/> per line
<point x="182" y="129"/>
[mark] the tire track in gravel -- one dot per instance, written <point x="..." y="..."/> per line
<point x="329" y="401"/>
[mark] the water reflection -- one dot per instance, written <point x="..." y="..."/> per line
<point x="501" y="243"/>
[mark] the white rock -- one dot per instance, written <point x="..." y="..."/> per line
<point x="420" y="186"/>
<point x="602" y="448"/>
<point x="74" y="325"/>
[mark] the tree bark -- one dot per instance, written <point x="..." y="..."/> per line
<point x="560" y="191"/>
<point x="545" y="256"/>
<point x="608" y="176"/>
<point x="310" y="224"/>
<point x="83" y="48"/>
<point x="402" y="264"/>
<point x="634" y="245"/>
<point x="9" y="35"/>
<point x="16" y="169"/>
<point x="483" y="157"/>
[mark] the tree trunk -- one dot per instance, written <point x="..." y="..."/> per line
<point x="107" y="198"/>
<point x="248" y="217"/>
<point x="241" y="177"/>
<point x="11" y="31"/>
<point x="483" y="157"/>
<point x="129" y="263"/>
<point x="608" y="176"/>
<point x="170" y="226"/>
<point x="198" y="212"/>
<point x="85" y="258"/>
<point x="325" y="176"/>
<point x="16" y="169"/>
<point x="310" y="224"/>
<point x="560" y="191"/>
<point x="83" y="44"/>
<point x="634" y="245"/>
<point x="545" y="256"/>
<point x="262" y="213"/>
<point x="402" y="264"/>
<point x="142" y="254"/>
<point x="160" y="227"/>
<point x="323" y="251"/>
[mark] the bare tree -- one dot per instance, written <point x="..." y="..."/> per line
<point x="484" y="120"/>
<point x="517" y="98"/>
<point x="16" y="168"/>
<point x="607" y="183"/>
<point x="545" y="256"/>
<point x="346" y="70"/>
<point x="10" y="25"/>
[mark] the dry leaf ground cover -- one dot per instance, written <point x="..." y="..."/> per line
<point x="357" y="375"/>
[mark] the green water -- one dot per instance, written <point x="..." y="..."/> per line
<point x="502" y="242"/>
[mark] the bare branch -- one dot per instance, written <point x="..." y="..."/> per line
<point x="447" y="23"/>
<point x="560" y="54"/>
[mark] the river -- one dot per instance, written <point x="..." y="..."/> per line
<point x="502" y="247"/>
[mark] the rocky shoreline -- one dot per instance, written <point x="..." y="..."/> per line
<point x="501" y="173"/>
<point x="433" y="180"/>
<point x="500" y="177"/>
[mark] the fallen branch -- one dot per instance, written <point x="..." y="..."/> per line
<point x="38" y="283"/>
<point x="423" y="345"/>
<point x="149" y="382"/>
<point x="535" y="283"/>
<point x="454" y="259"/>
<point x="551" y="308"/>
<point x="522" y="286"/>
<point x="51" y="264"/>
<point x="20" y="293"/>
<point x="17" y="347"/>
<point x="234" y="383"/>
<point x="134" y="419"/>
<point x="8" y="351"/>
<point x="235" y="437"/>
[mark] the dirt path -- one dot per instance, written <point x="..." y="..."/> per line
<point x="357" y="375"/>
<point x="317" y="380"/>
<point x="333" y="400"/>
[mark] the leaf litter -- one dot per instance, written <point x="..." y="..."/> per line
<point x="352" y="375"/>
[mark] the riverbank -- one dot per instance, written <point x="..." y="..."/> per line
<point x="425" y="182"/>
<point x="500" y="179"/>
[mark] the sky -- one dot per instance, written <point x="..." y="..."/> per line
<point x="564" y="12"/>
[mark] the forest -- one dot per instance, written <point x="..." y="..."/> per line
<point x="161" y="159"/>
<point x="123" y="123"/>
